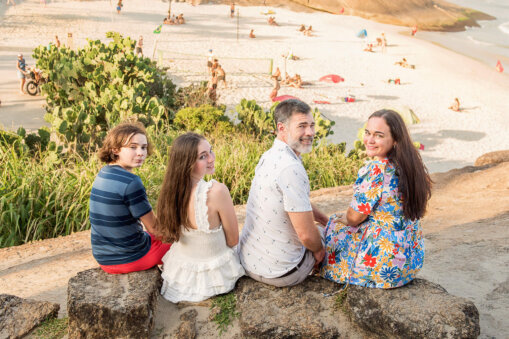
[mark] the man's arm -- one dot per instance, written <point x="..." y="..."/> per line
<point x="319" y="216"/>
<point x="307" y="232"/>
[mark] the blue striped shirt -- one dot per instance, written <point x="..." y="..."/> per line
<point x="117" y="201"/>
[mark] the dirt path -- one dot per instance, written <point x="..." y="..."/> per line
<point x="466" y="238"/>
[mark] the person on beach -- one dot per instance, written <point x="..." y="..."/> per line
<point x="221" y="75"/>
<point x="272" y="21"/>
<point x="280" y="242"/>
<point x="70" y="41"/>
<point x="379" y="242"/>
<point x="139" y="46"/>
<point x="119" y="6"/>
<point x="232" y="10"/>
<point x="251" y="34"/>
<point x="119" y="204"/>
<point x="57" y="41"/>
<point x="275" y="88"/>
<point x="21" y="68"/>
<point x="456" y="105"/>
<point x="210" y="58"/>
<point x="277" y="73"/>
<point x="198" y="217"/>
<point x="180" y="19"/>
<point x="212" y="87"/>
<point x="414" y="30"/>
<point x="302" y="28"/>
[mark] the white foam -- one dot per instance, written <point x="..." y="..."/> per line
<point x="478" y="42"/>
<point x="504" y="27"/>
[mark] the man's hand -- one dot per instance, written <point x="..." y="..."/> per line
<point x="319" y="255"/>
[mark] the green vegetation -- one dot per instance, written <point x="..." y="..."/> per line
<point x="51" y="329"/>
<point x="225" y="305"/>
<point x="45" y="184"/>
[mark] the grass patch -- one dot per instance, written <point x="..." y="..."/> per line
<point x="51" y="329"/>
<point x="225" y="305"/>
<point x="339" y="301"/>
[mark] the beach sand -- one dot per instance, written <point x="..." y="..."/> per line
<point x="451" y="139"/>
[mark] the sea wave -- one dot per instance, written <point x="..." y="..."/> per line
<point x="504" y="27"/>
<point x="478" y="42"/>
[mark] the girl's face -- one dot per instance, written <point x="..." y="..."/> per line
<point x="377" y="138"/>
<point x="133" y="154"/>
<point x="205" y="162"/>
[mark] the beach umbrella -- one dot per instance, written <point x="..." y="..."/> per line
<point x="499" y="66"/>
<point x="331" y="78"/>
<point x="282" y="98"/>
<point x="362" y="33"/>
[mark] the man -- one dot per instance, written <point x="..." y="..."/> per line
<point x="280" y="242"/>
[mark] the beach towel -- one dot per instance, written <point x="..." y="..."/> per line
<point x="158" y="29"/>
<point x="332" y="78"/>
<point x="268" y="11"/>
<point x="499" y="66"/>
<point x="342" y="10"/>
<point x="321" y="102"/>
<point x="283" y="98"/>
<point x="348" y="99"/>
<point x="362" y="33"/>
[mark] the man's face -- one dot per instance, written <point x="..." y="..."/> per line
<point x="298" y="132"/>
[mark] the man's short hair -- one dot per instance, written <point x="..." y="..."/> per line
<point x="285" y="109"/>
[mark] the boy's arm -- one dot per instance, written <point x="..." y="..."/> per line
<point x="149" y="221"/>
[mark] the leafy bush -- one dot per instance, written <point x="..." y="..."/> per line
<point x="205" y="119"/>
<point x="94" y="88"/>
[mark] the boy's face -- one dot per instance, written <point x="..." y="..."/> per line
<point x="133" y="154"/>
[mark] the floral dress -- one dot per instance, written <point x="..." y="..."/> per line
<point x="386" y="250"/>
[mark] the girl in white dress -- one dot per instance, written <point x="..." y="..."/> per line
<point x="199" y="218"/>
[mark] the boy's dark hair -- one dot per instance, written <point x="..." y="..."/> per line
<point x="119" y="137"/>
<point x="285" y="109"/>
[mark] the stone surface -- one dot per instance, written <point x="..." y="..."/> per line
<point x="102" y="305"/>
<point x="492" y="158"/>
<point x="187" y="328"/>
<point x="421" y="309"/>
<point x="301" y="311"/>
<point x="19" y="316"/>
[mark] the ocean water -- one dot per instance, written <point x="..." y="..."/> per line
<point x="487" y="43"/>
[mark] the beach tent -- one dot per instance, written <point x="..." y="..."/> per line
<point x="362" y="33"/>
<point x="407" y="114"/>
<point x="332" y="78"/>
<point x="283" y="98"/>
<point x="499" y="66"/>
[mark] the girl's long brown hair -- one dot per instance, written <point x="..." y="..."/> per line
<point x="414" y="179"/>
<point x="173" y="201"/>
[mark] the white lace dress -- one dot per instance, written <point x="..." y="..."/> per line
<point x="200" y="265"/>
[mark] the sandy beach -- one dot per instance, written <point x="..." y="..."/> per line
<point x="451" y="139"/>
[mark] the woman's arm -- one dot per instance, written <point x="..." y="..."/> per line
<point x="354" y="218"/>
<point x="221" y="200"/>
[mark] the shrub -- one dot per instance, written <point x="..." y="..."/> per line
<point x="205" y="119"/>
<point x="96" y="87"/>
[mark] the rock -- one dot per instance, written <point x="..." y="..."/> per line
<point x="19" y="316"/>
<point x="492" y="158"/>
<point x="291" y="312"/>
<point x="187" y="328"/>
<point x="421" y="309"/>
<point x="102" y="305"/>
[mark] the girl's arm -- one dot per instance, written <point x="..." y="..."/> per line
<point x="222" y="202"/>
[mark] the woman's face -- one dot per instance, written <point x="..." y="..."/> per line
<point x="205" y="162"/>
<point x="377" y="138"/>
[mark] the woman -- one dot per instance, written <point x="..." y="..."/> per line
<point x="198" y="217"/>
<point x="378" y="243"/>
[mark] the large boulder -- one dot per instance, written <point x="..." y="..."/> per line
<point x="421" y="309"/>
<point x="19" y="316"/>
<point x="102" y="305"/>
<point x="302" y="311"/>
<point x="492" y="158"/>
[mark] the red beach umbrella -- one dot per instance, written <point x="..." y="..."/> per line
<point x="332" y="78"/>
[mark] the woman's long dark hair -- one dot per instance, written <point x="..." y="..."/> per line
<point x="414" y="179"/>
<point x="173" y="201"/>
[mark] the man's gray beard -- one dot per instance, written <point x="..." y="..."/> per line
<point x="297" y="146"/>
